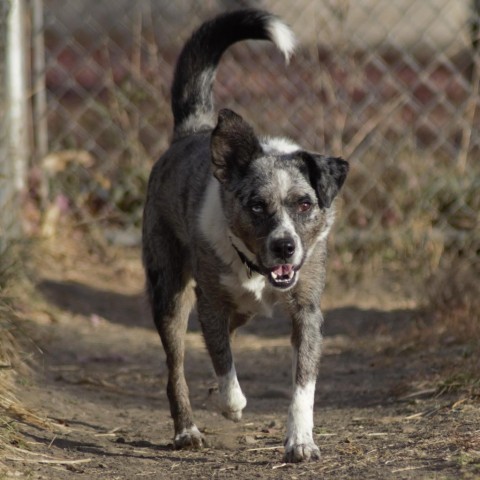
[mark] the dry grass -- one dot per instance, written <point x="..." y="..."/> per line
<point x="12" y="363"/>
<point x="454" y="300"/>
<point x="407" y="229"/>
<point x="448" y="327"/>
<point x="9" y="356"/>
<point x="454" y="305"/>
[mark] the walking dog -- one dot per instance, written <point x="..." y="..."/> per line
<point x="237" y="223"/>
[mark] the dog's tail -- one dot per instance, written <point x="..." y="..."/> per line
<point x="192" y="102"/>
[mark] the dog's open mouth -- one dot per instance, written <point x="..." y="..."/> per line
<point x="282" y="276"/>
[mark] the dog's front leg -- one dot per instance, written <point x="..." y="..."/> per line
<point x="306" y="342"/>
<point x="215" y="323"/>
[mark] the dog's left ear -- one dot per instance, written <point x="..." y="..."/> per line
<point x="233" y="145"/>
<point x="327" y="175"/>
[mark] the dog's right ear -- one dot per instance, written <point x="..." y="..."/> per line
<point x="233" y="145"/>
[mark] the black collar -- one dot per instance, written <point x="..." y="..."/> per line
<point x="251" y="267"/>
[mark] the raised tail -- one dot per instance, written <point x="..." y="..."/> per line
<point x="192" y="102"/>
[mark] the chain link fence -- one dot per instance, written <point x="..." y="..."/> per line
<point x="391" y="85"/>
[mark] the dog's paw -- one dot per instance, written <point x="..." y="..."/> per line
<point x="190" y="438"/>
<point x="231" y="407"/>
<point x="301" y="452"/>
<point x="234" y="415"/>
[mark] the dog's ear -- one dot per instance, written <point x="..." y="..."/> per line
<point x="327" y="175"/>
<point x="233" y="145"/>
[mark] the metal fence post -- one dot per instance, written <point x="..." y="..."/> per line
<point x="17" y="93"/>
<point x="14" y="121"/>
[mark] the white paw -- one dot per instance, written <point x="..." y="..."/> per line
<point x="189" y="438"/>
<point x="228" y="397"/>
<point x="231" y="406"/>
<point x="305" y="451"/>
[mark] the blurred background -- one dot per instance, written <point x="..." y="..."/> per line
<point x="391" y="86"/>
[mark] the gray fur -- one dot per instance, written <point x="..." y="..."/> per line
<point x="239" y="225"/>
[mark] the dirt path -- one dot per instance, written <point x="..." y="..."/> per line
<point x="101" y="377"/>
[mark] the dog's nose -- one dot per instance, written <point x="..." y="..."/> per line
<point x="283" y="248"/>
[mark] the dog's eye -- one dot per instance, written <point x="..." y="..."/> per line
<point x="304" y="206"/>
<point x="257" y="208"/>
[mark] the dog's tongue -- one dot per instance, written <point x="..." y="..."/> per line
<point x="283" y="270"/>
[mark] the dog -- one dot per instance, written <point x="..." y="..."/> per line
<point x="236" y="223"/>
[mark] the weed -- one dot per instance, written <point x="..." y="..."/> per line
<point x="453" y="299"/>
<point x="462" y="381"/>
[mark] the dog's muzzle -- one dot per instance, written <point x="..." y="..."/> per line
<point x="283" y="275"/>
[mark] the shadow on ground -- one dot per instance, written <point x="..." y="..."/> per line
<point x="133" y="310"/>
<point x="81" y="299"/>
<point x="349" y="376"/>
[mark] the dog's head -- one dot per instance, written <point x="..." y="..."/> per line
<point x="277" y="204"/>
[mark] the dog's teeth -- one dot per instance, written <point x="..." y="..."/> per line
<point x="288" y="277"/>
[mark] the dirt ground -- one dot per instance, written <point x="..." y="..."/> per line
<point x="100" y="378"/>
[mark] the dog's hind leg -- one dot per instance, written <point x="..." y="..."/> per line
<point x="172" y="297"/>
<point x="215" y="322"/>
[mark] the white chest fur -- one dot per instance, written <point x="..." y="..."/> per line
<point x="251" y="294"/>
